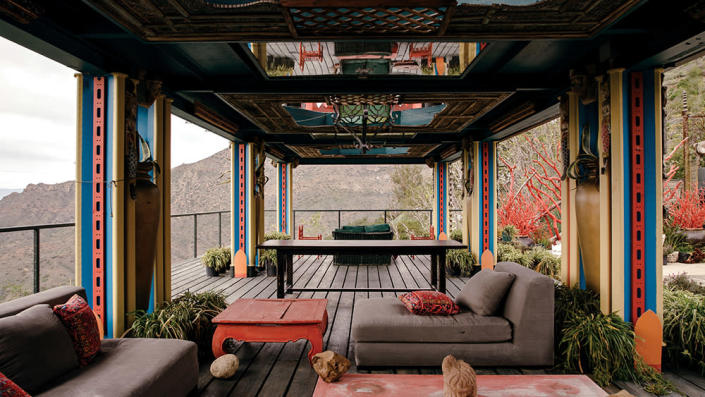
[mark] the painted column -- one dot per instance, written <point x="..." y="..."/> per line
<point x="247" y="214"/>
<point x="105" y="251"/>
<point x="483" y="214"/>
<point x="643" y="194"/>
<point x="570" y="262"/>
<point x="468" y="182"/>
<point x="440" y="201"/>
<point x="285" y="180"/>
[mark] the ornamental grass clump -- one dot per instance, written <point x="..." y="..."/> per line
<point x="187" y="317"/>
<point x="684" y="325"/>
<point x="588" y="341"/>
<point x="217" y="259"/>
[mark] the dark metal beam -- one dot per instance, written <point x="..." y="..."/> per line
<point x="486" y="82"/>
<point x="541" y="117"/>
<point x="417" y="139"/>
<point x="361" y="160"/>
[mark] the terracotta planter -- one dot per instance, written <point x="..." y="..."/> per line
<point x="147" y="214"/>
<point x="587" y="209"/>
<point x="694" y="236"/>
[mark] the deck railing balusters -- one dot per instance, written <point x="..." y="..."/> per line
<point x="37" y="228"/>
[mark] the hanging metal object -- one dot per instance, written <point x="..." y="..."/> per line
<point x="359" y="115"/>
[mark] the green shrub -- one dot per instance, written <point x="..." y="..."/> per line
<point x="537" y="258"/>
<point x="684" y="283"/>
<point x="684" y="327"/>
<point x="187" y="317"/>
<point x="507" y="233"/>
<point x="461" y="260"/>
<point x="509" y="253"/>
<point x="588" y="341"/>
<point x="456" y="235"/>
<point x="217" y="259"/>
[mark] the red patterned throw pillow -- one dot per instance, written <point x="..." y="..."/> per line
<point x="429" y="302"/>
<point x="81" y="324"/>
<point x="8" y="388"/>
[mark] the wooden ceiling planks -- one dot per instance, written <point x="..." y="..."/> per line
<point x="195" y="20"/>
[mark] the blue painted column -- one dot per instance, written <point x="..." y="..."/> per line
<point x="107" y="123"/>
<point x="247" y="215"/>
<point x="285" y="182"/>
<point x="483" y="213"/>
<point x="440" y="201"/>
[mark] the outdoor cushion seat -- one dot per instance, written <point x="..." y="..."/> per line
<point x="134" y="367"/>
<point x="388" y="320"/>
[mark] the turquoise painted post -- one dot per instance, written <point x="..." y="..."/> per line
<point x="285" y="181"/>
<point x="440" y="200"/>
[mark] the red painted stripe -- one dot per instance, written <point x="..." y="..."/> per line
<point x="283" y="227"/>
<point x="638" y="226"/>
<point x="442" y="197"/>
<point x="485" y="197"/>
<point x="241" y="201"/>
<point x="99" y="198"/>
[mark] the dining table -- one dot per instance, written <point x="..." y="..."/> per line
<point x="286" y="249"/>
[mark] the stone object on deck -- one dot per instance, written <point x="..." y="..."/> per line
<point x="330" y="366"/>
<point x="459" y="379"/>
<point x="225" y="366"/>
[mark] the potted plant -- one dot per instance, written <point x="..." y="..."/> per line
<point x="214" y="262"/>
<point x="460" y="262"/>
<point x="675" y="244"/>
<point x="687" y="212"/>
<point x="268" y="258"/>
<point x="585" y="170"/>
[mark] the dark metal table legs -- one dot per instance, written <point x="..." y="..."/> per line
<point x="442" y="272"/>
<point x="434" y="273"/>
<point x="289" y="272"/>
<point x="281" y="264"/>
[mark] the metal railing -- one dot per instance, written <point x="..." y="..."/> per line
<point x="37" y="228"/>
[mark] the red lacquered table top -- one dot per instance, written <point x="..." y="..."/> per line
<point x="273" y="311"/>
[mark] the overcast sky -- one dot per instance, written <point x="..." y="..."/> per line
<point x="38" y="122"/>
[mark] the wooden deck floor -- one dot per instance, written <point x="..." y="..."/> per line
<point x="282" y="369"/>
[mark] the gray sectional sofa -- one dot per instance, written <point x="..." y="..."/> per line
<point x="124" y="367"/>
<point x="385" y="333"/>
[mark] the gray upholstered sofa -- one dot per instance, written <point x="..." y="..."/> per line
<point x="124" y="367"/>
<point x="385" y="333"/>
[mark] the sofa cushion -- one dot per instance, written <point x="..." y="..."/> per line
<point x="353" y="229"/>
<point x="388" y="320"/>
<point x="382" y="227"/>
<point x="484" y="292"/>
<point x="80" y="322"/>
<point x="8" y="388"/>
<point x="35" y="348"/>
<point x="53" y="296"/>
<point x="134" y="367"/>
<point x="429" y="303"/>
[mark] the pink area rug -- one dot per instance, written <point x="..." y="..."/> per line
<point x="391" y="385"/>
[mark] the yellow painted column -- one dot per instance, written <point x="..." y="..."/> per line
<point x="617" y="192"/>
<point x="79" y="181"/>
<point x="116" y="90"/>
<point x="162" y="154"/>
<point x="475" y="236"/>
<point x="570" y="262"/>
<point x="603" y="147"/>
<point x="467" y="195"/>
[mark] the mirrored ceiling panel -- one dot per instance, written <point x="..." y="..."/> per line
<point x="365" y="58"/>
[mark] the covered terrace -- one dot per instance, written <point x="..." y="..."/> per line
<point x="330" y="82"/>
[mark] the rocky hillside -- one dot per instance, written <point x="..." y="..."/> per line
<point x="198" y="187"/>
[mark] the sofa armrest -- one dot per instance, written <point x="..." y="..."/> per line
<point x="529" y="306"/>
<point x="54" y="296"/>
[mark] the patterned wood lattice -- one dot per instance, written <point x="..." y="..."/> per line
<point x="309" y="151"/>
<point x="268" y="113"/>
<point x="196" y="20"/>
<point x="360" y="21"/>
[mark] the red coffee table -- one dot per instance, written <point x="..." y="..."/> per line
<point x="272" y="320"/>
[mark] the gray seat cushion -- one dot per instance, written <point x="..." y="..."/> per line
<point x="52" y="297"/>
<point x="388" y="320"/>
<point x="485" y="291"/>
<point x="134" y="367"/>
<point x="35" y="348"/>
